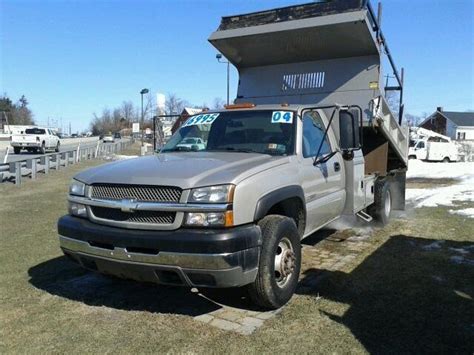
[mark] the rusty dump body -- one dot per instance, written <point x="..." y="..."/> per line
<point x="322" y="53"/>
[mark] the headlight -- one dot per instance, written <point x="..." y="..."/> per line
<point x="212" y="194"/>
<point x="77" y="188"/>
<point x="76" y="209"/>
<point x="210" y="219"/>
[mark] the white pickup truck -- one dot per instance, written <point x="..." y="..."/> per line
<point x="35" y="139"/>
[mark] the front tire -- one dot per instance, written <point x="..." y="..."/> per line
<point x="57" y="148"/>
<point x="280" y="263"/>
<point x="42" y="150"/>
<point x="446" y="160"/>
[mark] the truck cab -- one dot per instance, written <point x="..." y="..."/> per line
<point x="307" y="140"/>
<point x="418" y="150"/>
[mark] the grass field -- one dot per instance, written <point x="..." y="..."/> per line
<point x="410" y="291"/>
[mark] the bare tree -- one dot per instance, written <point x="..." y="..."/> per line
<point x="149" y="107"/>
<point x="174" y="105"/>
<point x="411" y="120"/>
<point x="104" y="123"/>
<point x="393" y="101"/>
<point x="128" y="112"/>
<point x="218" y="103"/>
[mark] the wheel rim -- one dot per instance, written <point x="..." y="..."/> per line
<point x="388" y="203"/>
<point x="284" y="262"/>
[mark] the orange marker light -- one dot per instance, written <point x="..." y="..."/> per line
<point x="242" y="105"/>
<point x="229" y="219"/>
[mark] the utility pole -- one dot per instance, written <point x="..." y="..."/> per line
<point x="143" y="92"/>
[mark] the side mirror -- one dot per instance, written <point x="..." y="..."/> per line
<point x="349" y="130"/>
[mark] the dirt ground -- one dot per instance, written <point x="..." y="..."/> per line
<point x="406" y="288"/>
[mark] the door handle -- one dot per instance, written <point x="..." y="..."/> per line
<point x="337" y="166"/>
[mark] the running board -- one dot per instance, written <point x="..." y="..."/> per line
<point x="364" y="216"/>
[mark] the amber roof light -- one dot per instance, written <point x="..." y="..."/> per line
<point x="242" y="105"/>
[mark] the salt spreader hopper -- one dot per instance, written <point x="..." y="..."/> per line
<point x="321" y="53"/>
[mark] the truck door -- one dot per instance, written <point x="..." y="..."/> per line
<point x="421" y="150"/>
<point x="47" y="138"/>
<point x="323" y="184"/>
<point x="51" y="139"/>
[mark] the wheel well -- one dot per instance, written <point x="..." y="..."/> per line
<point x="293" y="208"/>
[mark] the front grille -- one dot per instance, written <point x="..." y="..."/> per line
<point x="151" y="217"/>
<point x="136" y="192"/>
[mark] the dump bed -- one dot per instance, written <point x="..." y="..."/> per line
<point x="321" y="53"/>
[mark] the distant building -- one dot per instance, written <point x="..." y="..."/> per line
<point x="456" y="125"/>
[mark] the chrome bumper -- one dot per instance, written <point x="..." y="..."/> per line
<point x="25" y="145"/>
<point x="183" y="260"/>
<point x="184" y="257"/>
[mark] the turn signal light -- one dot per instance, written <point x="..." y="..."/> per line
<point x="229" y="219"/>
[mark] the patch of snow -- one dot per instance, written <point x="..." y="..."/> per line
<point x="421" y="169"/>
<point x="468" y="212"/>
<point x="445" y="195"/>
<point x="433" y="246"/>
<point x="460" y="250"/>
<point x="433" y="197"/>
<point x="461" y="260"/>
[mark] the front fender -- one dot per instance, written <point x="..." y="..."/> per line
<point x="265" y="203"/>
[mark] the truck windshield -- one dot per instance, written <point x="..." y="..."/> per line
<point x="265" y="132"/>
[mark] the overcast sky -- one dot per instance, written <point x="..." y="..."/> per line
<point x="73" y="58"/>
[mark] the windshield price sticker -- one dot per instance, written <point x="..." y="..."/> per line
<point x="201" y="119"/>
<point x="282" y="117"/>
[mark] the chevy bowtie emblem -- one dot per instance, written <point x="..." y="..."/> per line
<point x="128" y="205"/>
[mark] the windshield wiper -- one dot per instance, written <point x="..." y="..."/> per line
<point x="325" y="158"/>
<point x="232" y="149"/>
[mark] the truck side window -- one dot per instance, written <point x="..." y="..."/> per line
<point x="313" y="133"/>
<point x="421" y="145"/>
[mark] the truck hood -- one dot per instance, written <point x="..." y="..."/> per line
<point x="186" y="170"/>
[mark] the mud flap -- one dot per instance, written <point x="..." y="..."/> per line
<point x="397" y="190"/>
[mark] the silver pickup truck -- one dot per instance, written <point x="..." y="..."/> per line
<point x="279" y="164"/>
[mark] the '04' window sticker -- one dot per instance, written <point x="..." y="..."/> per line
<point x="282" y="117"/>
